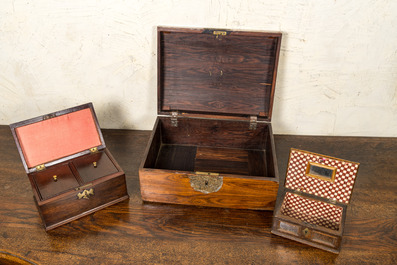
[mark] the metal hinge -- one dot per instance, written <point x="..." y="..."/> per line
<point x="94" y="149"/>
<point x="253" y="122"/>
<point x="206" y="173"/>
<point x="332" y="201"/>
<point x="40" y="167"/>
<point x="174" y="119"/>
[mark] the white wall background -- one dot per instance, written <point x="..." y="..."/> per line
<point x="337" y="73"/>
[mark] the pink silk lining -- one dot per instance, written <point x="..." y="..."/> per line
<point x="58" y="137"/>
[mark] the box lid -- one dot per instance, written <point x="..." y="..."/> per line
<point x="217" y="72"/>
<point x="56" y="137"/>
<point x="320" y="175"/>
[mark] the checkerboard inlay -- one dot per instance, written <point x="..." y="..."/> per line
<point x="340" y="189"/>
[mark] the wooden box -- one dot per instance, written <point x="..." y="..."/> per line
<point x="311" y="207"/>
<point x="71" y="172"/>
<point x="212" y="143"/>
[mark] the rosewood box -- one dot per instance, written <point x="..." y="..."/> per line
<point x="71" y="172"/>
<point x="212" y="143"/>
<point x="311" y="207"/>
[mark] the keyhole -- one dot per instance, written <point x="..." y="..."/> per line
<point x="206" y="183"/>
<point x="306" y="232"/>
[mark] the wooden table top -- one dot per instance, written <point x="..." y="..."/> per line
<point x="133" y="232"/>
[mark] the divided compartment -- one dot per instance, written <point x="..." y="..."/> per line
<point x="71" y="175"/>
<point x="47" y="187"/>
<point x="311" y="211"/>
<point x="89" y="171"/>
<point x="210" y="145"/>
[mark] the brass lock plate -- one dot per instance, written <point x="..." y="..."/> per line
<point x="206" y="183"/>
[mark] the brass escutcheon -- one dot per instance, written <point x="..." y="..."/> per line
<point x="85" y="194"/>
<point x="206" y="183"/>
<point x="94" y="163"/>
<point x="55" y="177"/>
<point x="306" y="232"/>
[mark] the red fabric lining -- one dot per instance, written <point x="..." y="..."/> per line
<point x="58" y="137"/>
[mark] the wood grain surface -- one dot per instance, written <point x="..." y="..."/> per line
<point x="133" y="232"/>
<point x="202" y="72"/>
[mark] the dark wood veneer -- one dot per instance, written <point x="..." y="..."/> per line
<point x="214" y="83"/>
<point x="136" y="232"/>
<point x="56" y="188"/>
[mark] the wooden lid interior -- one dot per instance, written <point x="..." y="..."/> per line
<point x="61" y="136"/>
<point x="203" y="71"/>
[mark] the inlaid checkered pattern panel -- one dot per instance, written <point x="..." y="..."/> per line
<point x="311" y="211"/>
<point x="340" y="189"/>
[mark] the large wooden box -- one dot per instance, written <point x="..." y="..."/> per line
<point x="311" y="208"/>
<point x="212" y="143"/>
<point x="69" y="167"/>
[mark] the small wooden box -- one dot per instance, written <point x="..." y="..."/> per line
<point x="311" y="208"/>
<point x="212" y="144"/>
<point x="71" y="172"/>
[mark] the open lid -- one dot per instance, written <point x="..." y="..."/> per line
<point x="56" y="137"/>
<point x="321" y="175"/>
<point x="217" y="72"/>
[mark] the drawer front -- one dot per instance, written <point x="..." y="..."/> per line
<point x="306" y="235"/>
<point x="82" y="202"/>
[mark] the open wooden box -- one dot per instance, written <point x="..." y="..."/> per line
<point x="212" y="144"/>
<point x="69" y="167"/>
<point x="312" y="205"/>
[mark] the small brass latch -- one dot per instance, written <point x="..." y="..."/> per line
<point x="85" y="194"/>
<point x="94" y="149"/>
<point x="40" y="167"/>
<point x="206" y="182"/>
<point x="95" y="164"/>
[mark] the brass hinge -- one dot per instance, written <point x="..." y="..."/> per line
<point x="40" y="167"/>
<point x="206" y="173"/>
<point x="219" y="32"/>
<point x="94" y="149"/>
<point x="174" y="119"/>
<point x="332" y="201"/>
<point x="253" y="122"/>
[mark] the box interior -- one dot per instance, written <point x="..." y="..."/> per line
<point x="209" y="145"/>
<point x="312" y="211"/>
<point x="58" y="137"/>
<point x="72" y="174"/>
